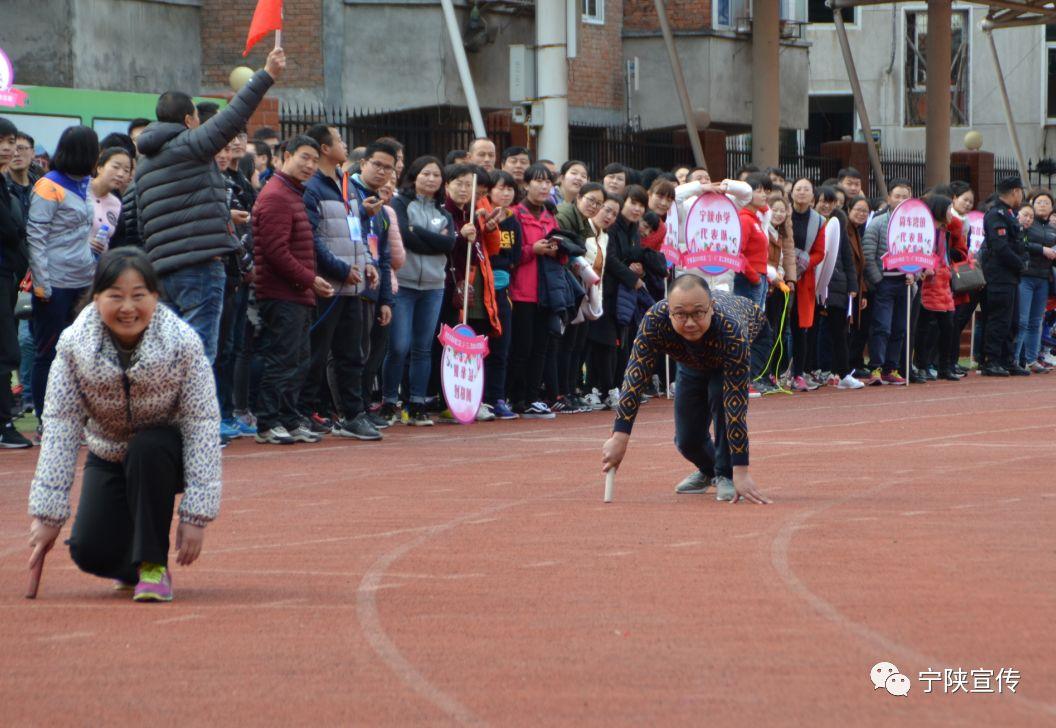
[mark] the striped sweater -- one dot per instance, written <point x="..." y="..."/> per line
<point x="726" y="347"/>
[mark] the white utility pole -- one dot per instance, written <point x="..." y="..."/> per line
<point x="552" y="79"/>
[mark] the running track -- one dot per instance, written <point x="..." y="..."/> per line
<point x="473" y="576"/>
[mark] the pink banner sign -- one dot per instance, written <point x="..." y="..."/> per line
<point x="910" y="238"/>
<point x="976" y="233"/>
<point x="462" y="370"/>
<point x="670" y="245"/>
<point x="713" y="235"/>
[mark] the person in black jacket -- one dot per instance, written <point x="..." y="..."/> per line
<point x="1034" y="284"/>
<point x="1004" y="260"/>
<point x="181" y="199"/>
<point x="843" y="289"/>
<point x="12" y="267"/>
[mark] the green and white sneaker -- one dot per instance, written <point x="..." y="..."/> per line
<point x="724" y="490"/>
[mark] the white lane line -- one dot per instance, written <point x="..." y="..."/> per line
<point x="66" y="636"/>
<point x="182" y="618"/>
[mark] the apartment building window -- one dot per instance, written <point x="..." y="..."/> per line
<point x="916" y="68"/>
<point x="819" y="12"/>
<point x="725" y="13"/>
<point x="1050" y="56"/>
<point x="594" y="12"/>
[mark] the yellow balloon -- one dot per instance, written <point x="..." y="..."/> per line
<point x="240" y="77"/>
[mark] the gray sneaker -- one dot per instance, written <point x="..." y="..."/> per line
<point x="694" y="484"/>
<point x="359" y="428"/>
<point x="301" y="433"/>
<point x="379" y="422"/>
<point x="724" y="490"/>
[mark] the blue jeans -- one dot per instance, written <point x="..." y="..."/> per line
<point x="756" y="293"/>
<point x="887" y="331"/>
<point x="196" y="294"/>
<point x="414" y="318"/>
<point x="698" y="403"/>
<point x="50" y="319"/>
<point x="25" y="367"/>
<point x="1033" y="295"/>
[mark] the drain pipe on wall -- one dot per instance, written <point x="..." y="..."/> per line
<point x="462" y="63"/>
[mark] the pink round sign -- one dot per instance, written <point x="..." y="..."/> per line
<point x="713" y="235"/>
<point x="462" y="370"/>
<point x="910" y="238"/>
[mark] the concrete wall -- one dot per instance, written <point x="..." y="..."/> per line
<point x="879" y="30"/>
<point x="35" y="34"/>
<point x="114" y="45"/>
<point x="718" y="74"/>
<point x="412" y="64"/>
<point x="136" y="45"/>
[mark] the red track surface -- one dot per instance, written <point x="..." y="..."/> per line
<point x="473" y="575"/>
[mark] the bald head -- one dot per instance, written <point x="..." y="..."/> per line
<point x="689" y="282"/>
<point x="482" y="153"/>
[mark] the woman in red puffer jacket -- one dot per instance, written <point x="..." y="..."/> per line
<point x="935" y="327"/>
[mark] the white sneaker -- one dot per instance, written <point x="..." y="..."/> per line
<point x="303" y="434"/>
<point x="275" y="436"/>
<point x="849" y="382"/>
<point x="484" y="413"/>
<point x="1049" y="359"/>
<point x="612" y="401"/>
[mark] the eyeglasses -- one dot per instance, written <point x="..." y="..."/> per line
<point x="380" y="167"/>
<point x="22" y="149"/>
<point x="592" y="202"/>
<point x="683" y="316"/>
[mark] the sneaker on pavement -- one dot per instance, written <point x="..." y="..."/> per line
<point x="849" y="382"/>
<point x="1017" y="371"/>
<point x="562" y="407"/>
<point x="379" y="422"/>
<point x="813" y="383"/>
<point x="1036" y="367"/>
<point x="246" y="428"/>
<point x="724" y="490"/>
<point x="12" y="439"/>
<point x="892" y="378"/>
<point x="124" y="586"/>
<point x="693" y="484"/>
<point x="416" y="416"/>
<point x="1049" y="359"/>
<point x="229" y="429"/>
<point x="358" y="428"/>
<point x="765" y="386"/>
<point x="302" y="433"/>
<point x="612" y="400"/>
<point x="155" y="584"/>
<point x="753" y="392"/>
<point x="446" y="417"/>
<point x="537" y="411"/>
<point x="582" y="405"/>
<point x="594" y="400"/>
<point x="799" y="384"/>
<point x="484" y="413"/>
<point x="875" y="378"/>
<point x="503" y="411"/>
<point x="862" y="373"/>
<point x="274" y="436"/>
<point x="390" y="413"/>
<point x="320" y="425"/>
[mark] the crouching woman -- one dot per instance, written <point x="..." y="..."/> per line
<point x="132" y="379"/>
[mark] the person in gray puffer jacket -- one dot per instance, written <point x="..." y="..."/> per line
<point x="181" y="199"/>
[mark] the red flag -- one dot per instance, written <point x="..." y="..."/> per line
<point x="266" y="18"/>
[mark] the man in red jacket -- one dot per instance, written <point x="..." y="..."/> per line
<point x="286" y="285"/>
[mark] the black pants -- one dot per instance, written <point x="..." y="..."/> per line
<point x="801" y="349"/>
<point x="858" y="336"/>
<point x="961" y="317"/>
<point x="698" y="403"/>
<point x="601" y="368"/>
<point x="776" y="310"/>
<point x="1001" y="310"/>
<point x="568" y="362"/>
<point x="285" y="355"/>
<point x="10" y="354"/>
<point x="378" y="339"/>
<point x="495" y="363"/>
<point x="837" y="325"/>
<point x="528" y="351"/>
<point x="125" y="510"/>
<point x="937" y="336"/>
<point x="337" y="337"/>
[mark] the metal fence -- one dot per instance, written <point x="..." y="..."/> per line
<point x="1040" y="173"/>
<point x="434" y="131"/>
<point x="600" y="146"/>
